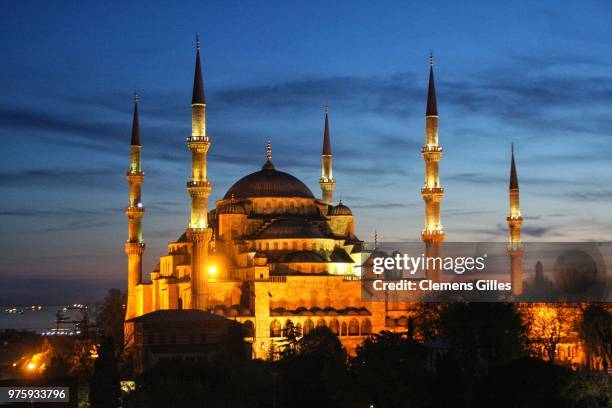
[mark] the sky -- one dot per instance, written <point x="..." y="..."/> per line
<point x="533" y="73"/>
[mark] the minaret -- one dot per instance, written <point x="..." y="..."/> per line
<point x="199" y="188"/>
<point x="327" y="181"/>
<point x="515" y="221"/>
<point x="432" y="192"/>
<point x="134" y="247"/>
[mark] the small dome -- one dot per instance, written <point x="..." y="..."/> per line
<point x="340" y="209"/>
<point x="269" y="182"/>
<point x="231" y="208"/>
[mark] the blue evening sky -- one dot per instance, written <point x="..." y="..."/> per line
<point x="536" y="73"/>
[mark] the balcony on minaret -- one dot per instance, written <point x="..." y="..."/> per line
<point x="205" y="139"/>
<point x="135" y="211"/>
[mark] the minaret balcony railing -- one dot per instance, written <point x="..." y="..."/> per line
<point x="135" y="209"/>
<point x="203" y="184"/>
<point x="432" y="190"/>
<point x="198" y="139"/>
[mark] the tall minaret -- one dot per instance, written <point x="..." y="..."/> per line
<point x="134" y="247"/>
<point x="327" y="181"/>
<point x="199" y="188"/>
<point x="515" y="221"/>
<point x="432" y="192"/>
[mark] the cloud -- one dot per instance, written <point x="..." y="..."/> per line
<point x="384" y="205"/>
<point x="61" y="177"/>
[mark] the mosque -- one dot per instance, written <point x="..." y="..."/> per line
<point x="270" y="254"/>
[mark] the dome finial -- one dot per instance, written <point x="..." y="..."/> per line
<point x="135" y="96"/>
<point x="269" y="150"/>
<point x="197" y="42"/>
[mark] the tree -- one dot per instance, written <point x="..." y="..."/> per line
<point x="111" y="317"/>
<point x="105" y="389"/>
<point x="389" y="370"/>
<point x="316" y="372"/>
<point x="549" y="325"/>
<point x="483" y="334"/>
<point x="595" y="329"/>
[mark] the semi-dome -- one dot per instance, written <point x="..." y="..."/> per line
<point x="269" y="182"/>
<point x="340" y="209"/>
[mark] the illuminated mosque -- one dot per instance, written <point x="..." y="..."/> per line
<point x="270" y="254"/>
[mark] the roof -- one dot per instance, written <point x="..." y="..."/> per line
<point x="292" y="228"/>
<point x="177" y="315"/>
<point x="326" y="139"/>
<point x="269" y="182"/>
<point x="135" y="126"/>
<point x="231" y="208"/>
<point x="198" y="82"/>
<point x="340" y="209"/>
<point x="513" y="176"/>
<point x="432" y="104"/>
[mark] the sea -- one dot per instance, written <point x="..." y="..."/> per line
<point x="41" y="319"/>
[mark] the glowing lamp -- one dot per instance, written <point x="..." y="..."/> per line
<point x="212" y="271"/>
<point x="31" y="366"/>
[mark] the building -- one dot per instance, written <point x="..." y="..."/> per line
<point x="187" y="335"/>
<point x="270" y="254"/>
<point x="267" y="255"/>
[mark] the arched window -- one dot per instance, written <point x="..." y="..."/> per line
<point x="343" y="332"/>
<point x="304" y="245"/>
<point x="334" y="326"/>
<point x="285" y="245"/>
<point x="298" y="330"/>
<point x="321" y="323"/>
<point x="248" y="329"/>
<point x="295" y="245"/>
<point x="275" y="328"/>
<point x="353" y="329"/>
<point x="308" y="326"/>
<point x="276" y="245"/>
<point x="289" y="328"/>
<point x="366" y="327"/>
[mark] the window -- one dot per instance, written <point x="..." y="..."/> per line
<point x="366" y="327"/>
<point x="353" y="329"/>
<point x="308" y="326"/>
<point x="321" y="323"/>
<point x="344" y="331"/>
<point x="275" y="328"/>
<point x="334" y="326"/>
<point x="248" y="329"/>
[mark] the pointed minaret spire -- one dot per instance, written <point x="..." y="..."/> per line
<point x="513" y="177"/>
<point x="198" y="83"/>
<point x="327" y="181"/>
<point x="326" y="138"/>
<point x="432" y="105"/>
<point x="135" y="123"/>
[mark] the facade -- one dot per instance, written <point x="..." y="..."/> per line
<point x="187" y="335"/>
<point x="270" y="255"/>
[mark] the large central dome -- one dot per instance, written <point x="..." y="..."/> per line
<point x="269" y="182"/>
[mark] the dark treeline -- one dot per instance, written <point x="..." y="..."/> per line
<point x="455" y="355"/>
